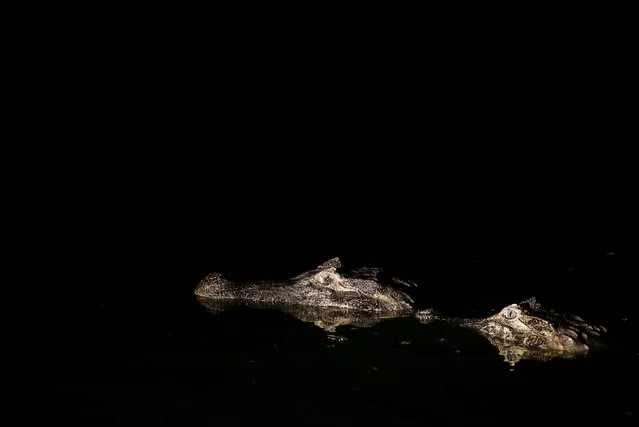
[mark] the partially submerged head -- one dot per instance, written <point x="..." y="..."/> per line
<point x="526" y="324"/>
<point x="325" y="286"/>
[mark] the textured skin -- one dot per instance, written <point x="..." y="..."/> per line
<point x="329" y="298"/>
<point x="357" y="290"/>
<point x="526" y="331"/>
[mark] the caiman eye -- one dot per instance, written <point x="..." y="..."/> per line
<point x="327" y="280"/>
<point x="510" y="314"/>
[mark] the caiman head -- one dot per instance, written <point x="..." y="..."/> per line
<point x="325" y="286"/>
<point x="518" y="327"/>
<point x="527" y="324"/>
<point x="526" y="331"/>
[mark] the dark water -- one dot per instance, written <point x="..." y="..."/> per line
<point x="159" y="358"/>
<point x="120" y="234"/>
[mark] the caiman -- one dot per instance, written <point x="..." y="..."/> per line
<point x="330" y="297"/>
<point x="526" y="331"/>
<point x="326" y="286"/>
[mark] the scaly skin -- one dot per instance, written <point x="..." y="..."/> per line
<point x="525" y="331"/>
<point x="357" y="290"/>
<point x="330" y="298"/>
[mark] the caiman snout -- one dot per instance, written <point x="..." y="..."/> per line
<point x="213" y="286"/>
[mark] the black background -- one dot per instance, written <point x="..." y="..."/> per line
<point x="124" y="228"/>
<point x="449" y="182"/>
<point x="484" y="170"/>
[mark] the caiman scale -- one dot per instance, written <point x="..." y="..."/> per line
<point x="330" y="297"/>
<point x="526" y="331"/>
<point x="356" y="290"/>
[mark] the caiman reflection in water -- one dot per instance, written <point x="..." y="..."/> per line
<point x="526" y="331"/>
<point x="327" y="318"/>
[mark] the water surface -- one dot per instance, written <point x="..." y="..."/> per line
<point x="167" y="361"/>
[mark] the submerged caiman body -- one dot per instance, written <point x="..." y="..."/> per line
<point x="526" y="331"/>
<point x="326" y="286"/>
